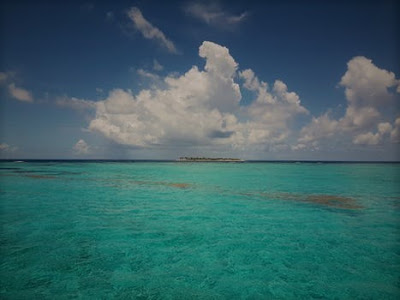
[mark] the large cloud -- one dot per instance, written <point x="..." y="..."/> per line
<point x="201" y="107"/>
<point x="368" y="93"/>
<point x="271" y="112"/>
<point x="366" y="84"/>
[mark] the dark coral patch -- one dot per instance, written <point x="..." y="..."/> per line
<point x="334" y="201"/>
<point x="319" y="199"/>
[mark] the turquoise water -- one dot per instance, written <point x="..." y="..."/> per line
<point x="199" y="230"/>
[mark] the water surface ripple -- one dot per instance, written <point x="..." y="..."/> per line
<point x="199" y="230"/>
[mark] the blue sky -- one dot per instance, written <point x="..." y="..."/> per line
<point x="161" y="79"/>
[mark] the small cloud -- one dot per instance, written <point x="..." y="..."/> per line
<point x="88" y="6"/>
<point x="81" y="147"/>
<point x="7" y="76"/>
<point x="157" y="66"/>
<point x="3" y="76"/>
<point x="110" y="16"/>
<point x="7" y="148"/>
<point x="212" y="14"/>
<point x="149" y="31"/>
<point x="395" y="133"/>
<point x="298" y="147"/>
<point x="75" y="103"/>
<point x="20" y="93"/>
<point x="4" y="146"/>
<point x="147" y="74"/>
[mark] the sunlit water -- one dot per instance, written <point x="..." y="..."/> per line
<point x="200" y="230"/>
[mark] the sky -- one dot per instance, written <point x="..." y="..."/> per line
<point x="263" y="80"/>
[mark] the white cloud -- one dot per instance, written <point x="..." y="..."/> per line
<point x="157" y="66"/>
<point x="147" y="74"/>
<point x="149" y="31"/>
<point x="370" y="138"/>
<point x="321" y="127"/>
<point x="75" y="103"/>
<point x="213" y="14"/>
<point x="367" y="93"/>
<point x="3" y="76"/>
<point x="7" y="148"/>
<point x="395" y="133"/>
<point x="271" y="112"/>
<point x="20" y="93"/>
<point x="366" y="84"/>
<point x="110" y="16"/>
<point x="384" y="128"/>
<point x="299" y="147"/>
<point x="367" y="139"/>
<point x="200" y="107"/>
<point x="81" y="147"/>
<point x="7" y="77"/>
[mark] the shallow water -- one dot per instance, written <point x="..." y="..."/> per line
<point x="200" y="230"/>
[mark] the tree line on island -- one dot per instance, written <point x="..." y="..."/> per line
<point x="219" y="159"/>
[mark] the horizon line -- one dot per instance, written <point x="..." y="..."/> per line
<point x="174" y="160"/>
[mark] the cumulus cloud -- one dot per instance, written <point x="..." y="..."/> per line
<point x="271" y="111"/>
<point x="368" y="92"/>
<point x="200" y="107"/>
<point x="367" y="139"/>
<point x="81" y="147"/>
<point x="395" y="133"/>
<point x="20" y="93"/>
<point x="212" y="14"/>
<point x="370" y="138"/>
<point x="384" y="128"/>
<point x="366" y="84"/>
<point x="149" y="31"/>
<point x="318" y="128"/>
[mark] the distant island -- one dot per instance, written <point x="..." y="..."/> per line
<point x="208" y="159"/>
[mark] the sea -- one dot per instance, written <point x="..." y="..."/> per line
<point x="187" y="230"/>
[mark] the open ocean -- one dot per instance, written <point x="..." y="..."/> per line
<point x="168" y="230"/>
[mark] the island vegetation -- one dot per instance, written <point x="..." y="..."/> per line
<point x="209" y="159"/>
